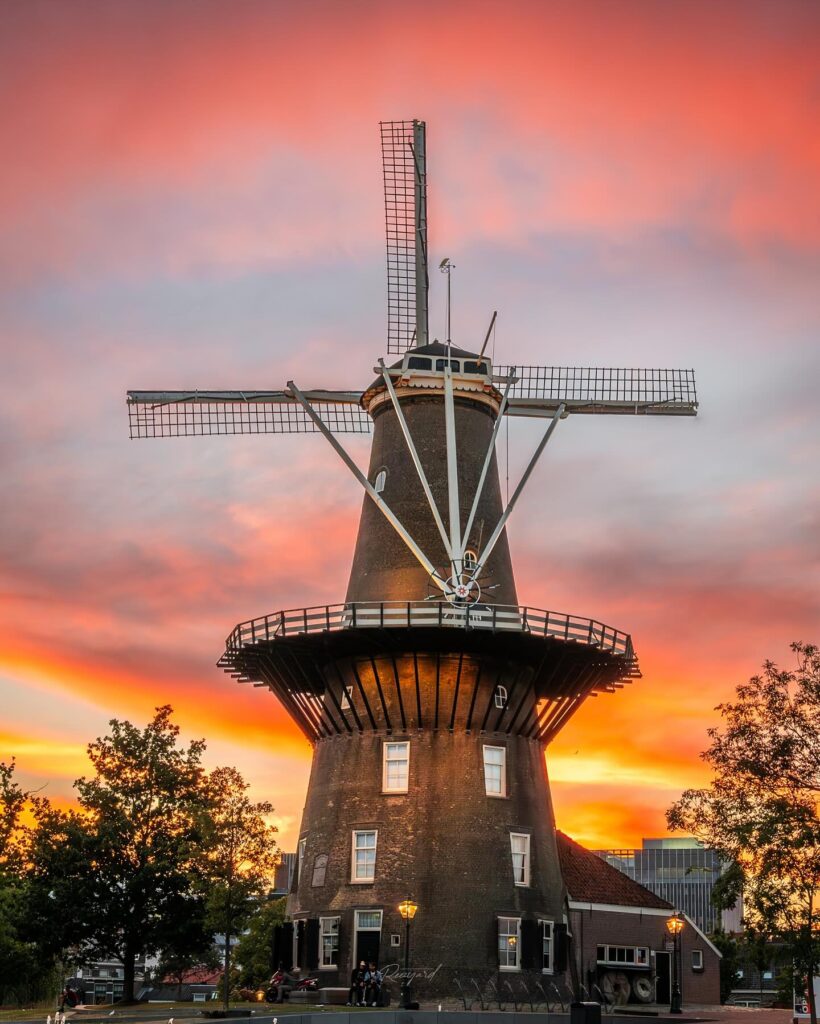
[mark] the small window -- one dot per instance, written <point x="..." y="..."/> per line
<point x="300" y="859"/>
<point x="419" y="363"/>
<point x="473" y="367"/>
<point x="697" y="960"/>
<point x="509" y="943"/>
<point x="347" y="696"/>
<point x="364" y="856"/>
<point x="495" y="771"/>
<point x="546" y="946"/>
<point x="520" y="847"/>
<point x="500" y="696"/>
<point x="380" y="481"/>
<point x="455" y="365"/>
<point x="395" y="940"/>
<point x="396" y="767"/>
<point x="319" y="870"/>
<point x="470" y="561"/>
<point x="328" y="943"/>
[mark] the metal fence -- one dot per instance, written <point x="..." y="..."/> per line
<point x="413" y="614"/>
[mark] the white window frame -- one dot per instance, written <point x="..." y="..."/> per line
<point x="500" y="696"/>
<point x="490" y="746"/>
<point x="546" y="926"/>
<point x="516" y="946"/>
<point x="323" y="921"/>
<point x="517" y="853"/>
<point x="470" y="561"/>
<point x="358" y="928"/>
<point x="380" y="481"/>
<point x="300" y="859"/>
<point x="353" y="875"/>
<point x="386" y="745"/>
<point x="640" y="955"/>
<point x="346" y="698"/>
<point x="697" y="960"/>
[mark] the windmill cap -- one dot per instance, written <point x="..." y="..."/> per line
<point x="436" y="348"/>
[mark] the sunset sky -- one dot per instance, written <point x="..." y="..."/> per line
<point x="191" y="196"/>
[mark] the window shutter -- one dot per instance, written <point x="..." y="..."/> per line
<point x="300" y="942"/>
<point x="530" y="944"/>
<point x="312" y="944"/>
<point x="561" y="948"/>
<point x="283" y="946"/>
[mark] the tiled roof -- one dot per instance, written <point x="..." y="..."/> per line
<point x="591" y="880"/>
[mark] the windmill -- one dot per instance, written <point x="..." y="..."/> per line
<point x="429" y="674"/>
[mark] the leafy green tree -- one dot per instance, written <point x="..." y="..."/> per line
<point x="240" y="857"/>
<point x="760" y="811"/>
<point x="118" y="872"/>
<point x="27" y="972"/>
<point x="254" y="951"/>
<point x="729" y="949"/>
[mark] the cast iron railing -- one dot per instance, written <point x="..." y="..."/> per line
<point x="413" y="614"/>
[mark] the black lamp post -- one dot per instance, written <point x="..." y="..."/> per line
<point x="674" y="926"/>
<point x="407" y="909"/>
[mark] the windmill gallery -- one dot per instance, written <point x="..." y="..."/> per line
<point x="428" y="693"/>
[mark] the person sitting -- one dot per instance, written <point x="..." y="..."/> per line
<point x="373" y="981"/>
<point x="355" y="996"/>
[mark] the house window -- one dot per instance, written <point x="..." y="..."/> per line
<point x="328" y="942"/>
<point x="347" y="696"/>
<point x="509" y="943"/>
<point x="520" y="847"/>
<point x="368" y="920"/>
<point x="546" y="946"/>
<point x="495" y="771"/>
<point x="633" y="956"/>
<point x="300" y="859"/>
<point x="500" y="696"/>
<point x="470" y="561"/>
<point x="697" y="960"/>
<point x="319" y="870"/>
<point x="364" y="856"/>
<point x="396" y="766"/>
<point x="381" y="481"/>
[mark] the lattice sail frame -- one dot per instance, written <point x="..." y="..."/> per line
<point x="538" y="391"/>
<point x="404" y="162"/>
<point x="188" y="414"/>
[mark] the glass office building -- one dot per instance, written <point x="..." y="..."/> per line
<point x="681" y="871"/>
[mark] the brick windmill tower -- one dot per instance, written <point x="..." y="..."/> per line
<point x="429" y="694"/>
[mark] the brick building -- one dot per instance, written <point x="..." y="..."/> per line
<point x="620" y="939"/>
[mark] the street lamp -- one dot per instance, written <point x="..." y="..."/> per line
<point x="407" y="909"/>
<point x="674" y="925"/>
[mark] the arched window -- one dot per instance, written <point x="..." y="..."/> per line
<point x="470" y="560"/>
<point x="381" y="480"/>
<point x="319" y="870"/>
<point x="500" y="696"/>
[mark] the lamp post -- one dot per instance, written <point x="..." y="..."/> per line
<point x="407" y="909"/>
<point x="674" y="926"/>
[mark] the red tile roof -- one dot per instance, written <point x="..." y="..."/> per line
<point x="589" y="879"/>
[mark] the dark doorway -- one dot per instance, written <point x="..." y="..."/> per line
<point x="663" y="973"/>
<point x="367" y="947"/>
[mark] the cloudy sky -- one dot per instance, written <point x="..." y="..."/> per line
<point x="190" y="196"/>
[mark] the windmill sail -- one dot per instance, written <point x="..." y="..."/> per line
<point x="190" y="413"/>
<point x="539" y="390"/>
<point x="404" y="160"/>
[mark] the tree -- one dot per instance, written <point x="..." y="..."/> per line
<point x="240" y="857"/>
<point x="760" y="811"/>
<point x="254" y="951"/>
<point x="728" y="947"/>
<point x="119" y="871"/>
